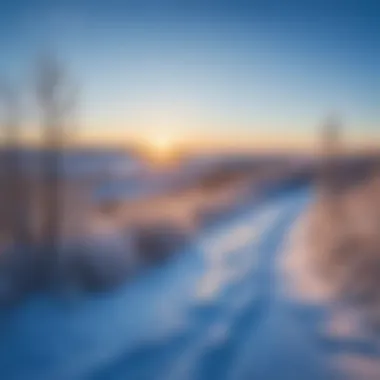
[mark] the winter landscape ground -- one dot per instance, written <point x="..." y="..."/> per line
<point x="241" y="295"/>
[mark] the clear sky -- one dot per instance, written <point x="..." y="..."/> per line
<point x="210" y="72"/>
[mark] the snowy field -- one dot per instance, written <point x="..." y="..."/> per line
<point x="240" y="302"/>
<point x="217" y="311"/>
<point x="346" y="339"/>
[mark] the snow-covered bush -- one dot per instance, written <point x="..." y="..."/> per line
<point x="344" y="240"/>
<point x="159" y="241"/>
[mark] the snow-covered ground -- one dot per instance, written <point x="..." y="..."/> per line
<point x="348" y="344"/>
<point x="241" y="302"/>
<point x="214" y="312"/>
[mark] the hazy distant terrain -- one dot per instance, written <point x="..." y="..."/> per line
<point x="117" y="213"/>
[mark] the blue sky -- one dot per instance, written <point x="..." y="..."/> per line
<point x="206" y="70"/>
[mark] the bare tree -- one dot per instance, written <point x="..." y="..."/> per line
<point x="13" y="189"/>
<point x="330" y="153"/>
<point x="56" y="99"/>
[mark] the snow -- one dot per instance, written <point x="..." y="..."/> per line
<point x="240" y="303"/>
<point x="350" y="346"/>
<point x="159" y="326"/>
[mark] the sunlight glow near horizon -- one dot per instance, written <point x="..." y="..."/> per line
<point x="161" y="145"/>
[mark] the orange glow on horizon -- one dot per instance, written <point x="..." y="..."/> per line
<point x="163" y="146"/>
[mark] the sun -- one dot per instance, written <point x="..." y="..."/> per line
<point x="161" y="147"/>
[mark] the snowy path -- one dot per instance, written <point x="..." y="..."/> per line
<point x="215" y="312"/>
